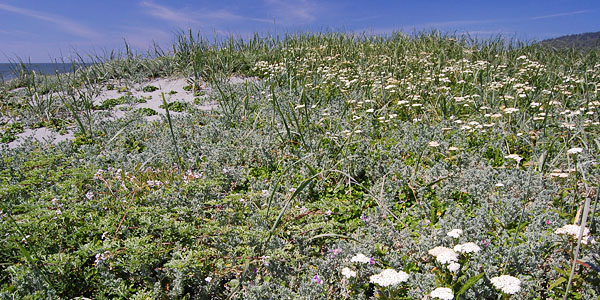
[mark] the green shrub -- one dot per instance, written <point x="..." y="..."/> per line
<point x="145" y="111"/>
<point x="177" y="106"/>
<point x="149" y="89"/>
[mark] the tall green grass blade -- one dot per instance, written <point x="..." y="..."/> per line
<point x="170" y="123"/>
<point x="300" y="188"/>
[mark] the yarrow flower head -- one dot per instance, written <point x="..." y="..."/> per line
<point x="515" y="157"/>
<point x="348" y="273"/>
<point x="573" y="230"/>
<point x="444" y="255"/>
<point x="455" y="233"/>
<point x="575" y="150"/>
<point x="453" y="267"/>
<point x="469" y="247"/>
<point x="443" y="293"/>
<point x="434" y="144"/>
<point x="389" y="277"/>
<point x="361" y="258"/>
<point x="507" y="284"/>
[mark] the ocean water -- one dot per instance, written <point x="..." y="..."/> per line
<point x="7" y="71"/>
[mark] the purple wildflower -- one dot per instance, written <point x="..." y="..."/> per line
<point x="335" y="252"/>
<point x="317" y="280"/>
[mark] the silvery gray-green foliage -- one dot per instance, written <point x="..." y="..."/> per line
<point x="387" y="152"/>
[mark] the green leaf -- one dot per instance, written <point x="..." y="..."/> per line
<point x="26" y="254"/>
<point x="469" y="283"/>
<point x="556" y="283"/>
<point x="562" y="272"/>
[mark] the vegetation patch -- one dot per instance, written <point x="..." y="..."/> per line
<point x="145" y="111"/>
<point x="8" y="133"/>
<point x="177" y="106"/>
<point x="399" y="167"/>
<point x="109" y="104"/>
<point x="149" y="89"/>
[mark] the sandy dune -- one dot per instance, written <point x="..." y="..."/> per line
<point x="173" y="89"/>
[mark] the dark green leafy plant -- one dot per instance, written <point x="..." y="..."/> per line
<point x="149" y="88"/>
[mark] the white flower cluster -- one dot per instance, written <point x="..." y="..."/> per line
<point x="389" y="277"/>
<point x="154" y="183"/>
<point x="575" y="150"/>
<point x="442" y="293"/>
<point x="455" y="233"/>
<point x="348" y="273"/>
<point x="444" y="255"/>
<point x="453" y="267"/>
<point x="448" y="256"/>
<point x="469" y="247"/>
<point x="507" y="284"/>
<point x="101" y="257"/>
<point x="361" y="258"/>
<point x="434" y="144"/>
<point x="514" y="156"/>
<point x="573" y="230"/>
<point x="191" y="175"/>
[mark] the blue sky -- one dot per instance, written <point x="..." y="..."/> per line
<point x="42" y="30"/>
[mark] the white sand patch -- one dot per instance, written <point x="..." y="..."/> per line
<point x="173" y="90"/>
<point x="42" y="135"/>
<point x="107" y="94"/>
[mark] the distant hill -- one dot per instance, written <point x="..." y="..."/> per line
<point x="583" y="41"/>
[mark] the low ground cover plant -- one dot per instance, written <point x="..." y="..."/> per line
<point x="397" y="167"/>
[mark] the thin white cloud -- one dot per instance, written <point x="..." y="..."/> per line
<point x="63" y="23"/>
<point x="181" y="17"/>
<point x="293" y="11"/>
<point x="565" y="14"/>
<point x="167" y="14"/>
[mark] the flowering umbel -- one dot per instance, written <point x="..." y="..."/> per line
<point x="361" y="258"/>
<point x="443" y="293"/>
<point x="444" y="255"/>
<point x="507" y="284"/>
<point x="389" y="277"/>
